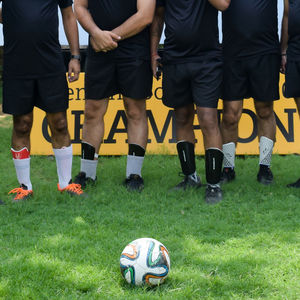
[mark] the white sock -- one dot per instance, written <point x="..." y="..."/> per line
<point x="134" y="165"/>
<point x="195" y="177"/>
<point x="229" y="155"/>
<point x="265" y="151"/>
<point x="23" y="171"/>
<point x="64" y="158"/>
<point x="89" y="167"/>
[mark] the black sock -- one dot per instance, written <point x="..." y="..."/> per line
<point x="213" y="165"/>
<point x="186" y="153"/>
<point x="136" y="150"/>
<point x="87" y="151"/>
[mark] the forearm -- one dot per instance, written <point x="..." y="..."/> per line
<point x="156" y="30"/>
<point x="137" y="22"/>
<point x="220" y="4"/>
<point x="132" y="26"/>
<point x="84" y="18"/>
<point x="71" y="30"/>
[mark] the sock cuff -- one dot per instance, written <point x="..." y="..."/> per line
<point x="20" y="154"/>
<point x="184" y="141"/>
<point x="264" y="139"/>
<point x="64" y="152"/>
<point x="136" y="150"/>
<point x="88" y="151"/>
<point x="230" y="144"/>
<point x="211" y="149"/>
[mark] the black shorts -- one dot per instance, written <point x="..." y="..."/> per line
<point x="192" y="82"/>
<point x="50" y="94"/>
<point x="256" y="77"/>
<point x="105" y="78"/>
<point x="292" y="79"/>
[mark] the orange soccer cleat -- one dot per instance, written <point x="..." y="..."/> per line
<point x="72" y="189"/>
<point x="22" y="193"/>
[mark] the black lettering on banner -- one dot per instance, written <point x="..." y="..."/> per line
<point x="71" y="93"/>
<point x="45" y="130"/>
<point x="288" y="134"/>
<point x="77" y="125"/>
<point x="161" y="137"/>
<point x="159" y="89"/>
<point x="114" y="128"/>
<point x="254" y="131"/>
<point x="78" y="90"/>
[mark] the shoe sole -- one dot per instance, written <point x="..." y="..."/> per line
<point x="265" y="181"/>
<point x="213" y="201"/>
<point x="224" y="181"/>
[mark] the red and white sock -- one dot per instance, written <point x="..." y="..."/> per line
<point x="21" y="160"/>
<point x="64" y="157"/>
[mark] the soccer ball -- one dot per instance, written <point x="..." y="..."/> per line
<point x="145" y="261"/>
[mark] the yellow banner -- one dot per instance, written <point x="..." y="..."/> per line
<point x="162" y="138"/>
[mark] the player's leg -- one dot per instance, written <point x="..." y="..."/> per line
<point x="53" y="98"/>
<point x="208" y="120"/>
<point x="177" y="94"/>
<point x="234" y="89"/>
<point x="135" y="82"/>
<point x="18" y="100"/>
<point x="20" y="150"/>
<point x="184" y="122"/>
<point x="100" y="84"/>
<point x="206" y="88"/>
<point x="297" y="183"/>
<point x="232" y="112"/>
<point x="292" y="90"/>
<point x="137" y="130"/>
<point x="92" y="137"/>
<point x="266" y="133"/>
<point x="264" y="86"/>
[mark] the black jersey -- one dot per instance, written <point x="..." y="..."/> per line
<point x="109" y="14"/>
<point x="191" y="30"/>
<point x="294" y="30"/>
<point x="250" y="27"/>
<point x="31" y="46"/>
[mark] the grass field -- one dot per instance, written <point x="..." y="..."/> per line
<point x="57" y="247"/>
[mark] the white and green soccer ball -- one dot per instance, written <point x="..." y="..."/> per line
<point x="145" y="261"/>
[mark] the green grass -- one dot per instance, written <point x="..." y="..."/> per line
<point x="57" y="247"/>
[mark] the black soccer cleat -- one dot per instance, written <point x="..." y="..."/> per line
<point x="265" y="175"/>
<point x="83" y="180"/>
<point x="228" y="174"/>
<point x="188" y="182"/>
<point x="134" y="183"/>
<point x="213" y="194"/>
<point x="295" y="184"/>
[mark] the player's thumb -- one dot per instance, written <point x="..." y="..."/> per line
<point x="115" y="37"/>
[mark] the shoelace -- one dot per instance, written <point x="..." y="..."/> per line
<point x="21" y="193"/>
<point x="75" y="188"/>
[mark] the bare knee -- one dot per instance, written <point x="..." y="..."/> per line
<point x="94" y="110"/>
<point x="265" y="112"/>
<point x="231" y="118"/>
<point x="60" y="126"/>
<point x="209" y="123"/>
<point x="22" y="125"/>
<point x="184" y="116"/>
<point x="135" y="114"/>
